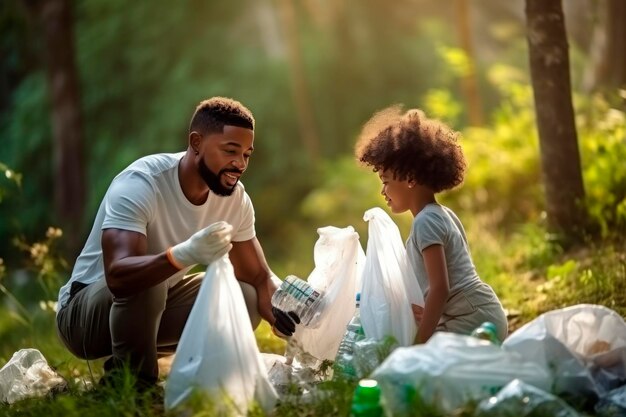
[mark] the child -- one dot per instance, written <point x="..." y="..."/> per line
<point x="416" y="158"/>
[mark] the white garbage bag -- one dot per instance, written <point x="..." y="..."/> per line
<point x="450" y="370"/>
<point x="389" y="283"/>
<point x="339" y="261"/>
<point x="584" y="345"/>
<point x="27" y="374"/>
<point x="217" y="353"/>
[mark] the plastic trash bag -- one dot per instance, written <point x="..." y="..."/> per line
<point x="450" y="370"/>
<point x="389" y="283"/>
<point x="339" y="261"/>
<point x="217" y="353"/>
<point x="613" y="404"/>
<point x="27" y="374"/>
<point x="584" y="345"/>
<point x="524" y="400"/>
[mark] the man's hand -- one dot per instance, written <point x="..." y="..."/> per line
<point x="285" y="323"/>
<point x="203" y="247"/>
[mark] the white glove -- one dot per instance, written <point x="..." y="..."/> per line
<point x="203" y="247"/>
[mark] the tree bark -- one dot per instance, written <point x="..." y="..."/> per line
<point x="607" y="50"/>
<point x="560" y="159"/>
<point x="469" y="81"/>
<point x="302" y="96"/>
<point x="55" y="19"/>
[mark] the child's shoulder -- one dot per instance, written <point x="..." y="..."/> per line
<point x="431" y="213"/>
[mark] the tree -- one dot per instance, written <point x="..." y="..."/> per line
<point x="56" y="22"/>
<point x="607" y="49"/>
<point x="560" y="159"/>
<point x="469" y="81"/>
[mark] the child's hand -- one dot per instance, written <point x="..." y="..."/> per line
<point x="418" y="312"/>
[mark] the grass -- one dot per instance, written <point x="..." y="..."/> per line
<point x="529" y="273"/>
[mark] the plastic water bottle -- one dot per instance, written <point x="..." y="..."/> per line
<point x="487" y="331"/>
<point x="344" y="361"/>
<point x="366" y="399"/>
<point x="298" y="296"/>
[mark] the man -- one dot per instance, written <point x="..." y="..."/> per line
<point x="129" y="296"/>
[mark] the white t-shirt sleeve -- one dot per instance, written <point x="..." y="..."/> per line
<point x="129" y="203"/>
<point x="246" y="229"/>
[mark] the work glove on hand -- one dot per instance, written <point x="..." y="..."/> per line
<point x="285" y="322"/>
<point x="203" y="247"/>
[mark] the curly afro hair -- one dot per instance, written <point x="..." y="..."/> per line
<point x="213" y="114"/>
<point x="413" y="147"/>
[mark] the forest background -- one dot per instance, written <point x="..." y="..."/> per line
<point x="86" y="87"/>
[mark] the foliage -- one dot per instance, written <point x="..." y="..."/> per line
<point x="602" y="130"/>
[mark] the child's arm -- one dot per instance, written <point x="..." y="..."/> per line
<point x="437" y="272"/>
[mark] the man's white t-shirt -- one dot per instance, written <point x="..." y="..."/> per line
<point x="147" y="198"/>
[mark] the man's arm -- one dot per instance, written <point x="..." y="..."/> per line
<point x="127" y="268"/>
<point x="251" y="267"/>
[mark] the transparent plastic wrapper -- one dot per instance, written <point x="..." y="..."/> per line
<point x="584" y="345"/>
<point x="294" y="381"/>
<point x="523" y="400"/>
<point x="612" y="404"/>
<point x="217" y="353"/>
<point x="389" y="282"/>
<point x="339" y="261"/>
<point x="370" y="353"/>
<point x="27" y="374"/>
<point x="450" y="370"/>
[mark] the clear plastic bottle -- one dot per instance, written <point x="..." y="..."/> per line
<point x="298" y="296"/>
<point x="366" y="399"/>
<point x="344" y="360"/>
<point x="487" y="331"/>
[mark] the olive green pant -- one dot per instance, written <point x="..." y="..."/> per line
<point x="468" y="309"/>
<point x="136" y="329"/>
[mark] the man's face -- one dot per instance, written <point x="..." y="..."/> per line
<point x="224" y="157"/>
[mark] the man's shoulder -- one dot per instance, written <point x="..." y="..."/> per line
<point x="156" y="163"/>
<point x="151" y="166"/>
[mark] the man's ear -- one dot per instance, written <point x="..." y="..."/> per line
<point x="195" y="139"/>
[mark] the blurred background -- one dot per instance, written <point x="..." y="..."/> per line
<point x="86" y="87"/>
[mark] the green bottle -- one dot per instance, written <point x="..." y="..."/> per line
<point x="366" y="400"/>
<point x="487" y="331"/>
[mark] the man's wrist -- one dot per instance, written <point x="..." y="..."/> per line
<point x="172" y="259"/>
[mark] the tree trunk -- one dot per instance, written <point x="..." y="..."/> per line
<point x="607" y="50"/>
<point x="560" y="159"/>
<point x="302" y="97"/>
<point x="469" y="81"/>
<point x="55" y="19"/>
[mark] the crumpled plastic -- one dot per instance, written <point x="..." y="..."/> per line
<point x="520" y="399"/>
<point x="292" y="379"/>
<point x="27" y="374"/>
<point x="613" y="404"/>
<point x="584" y="346"/>
<point x="452" y="369"/>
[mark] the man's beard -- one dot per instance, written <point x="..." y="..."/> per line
<point x="213" y="181"/>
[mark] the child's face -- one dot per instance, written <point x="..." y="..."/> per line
<point x="397" y="193"/>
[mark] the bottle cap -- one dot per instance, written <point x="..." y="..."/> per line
<point x="490" y="326"/>
<point x="367" y="391"/>
<point x="358" y="296"/>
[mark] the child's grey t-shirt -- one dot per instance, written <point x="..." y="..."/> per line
<point x="438" y="225"/>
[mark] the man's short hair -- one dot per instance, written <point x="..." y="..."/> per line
<point x="213" y="114"/>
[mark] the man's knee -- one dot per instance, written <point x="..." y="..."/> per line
<point x="250" y="296"/>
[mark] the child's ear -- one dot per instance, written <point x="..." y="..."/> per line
<point x="411" y="183"/>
